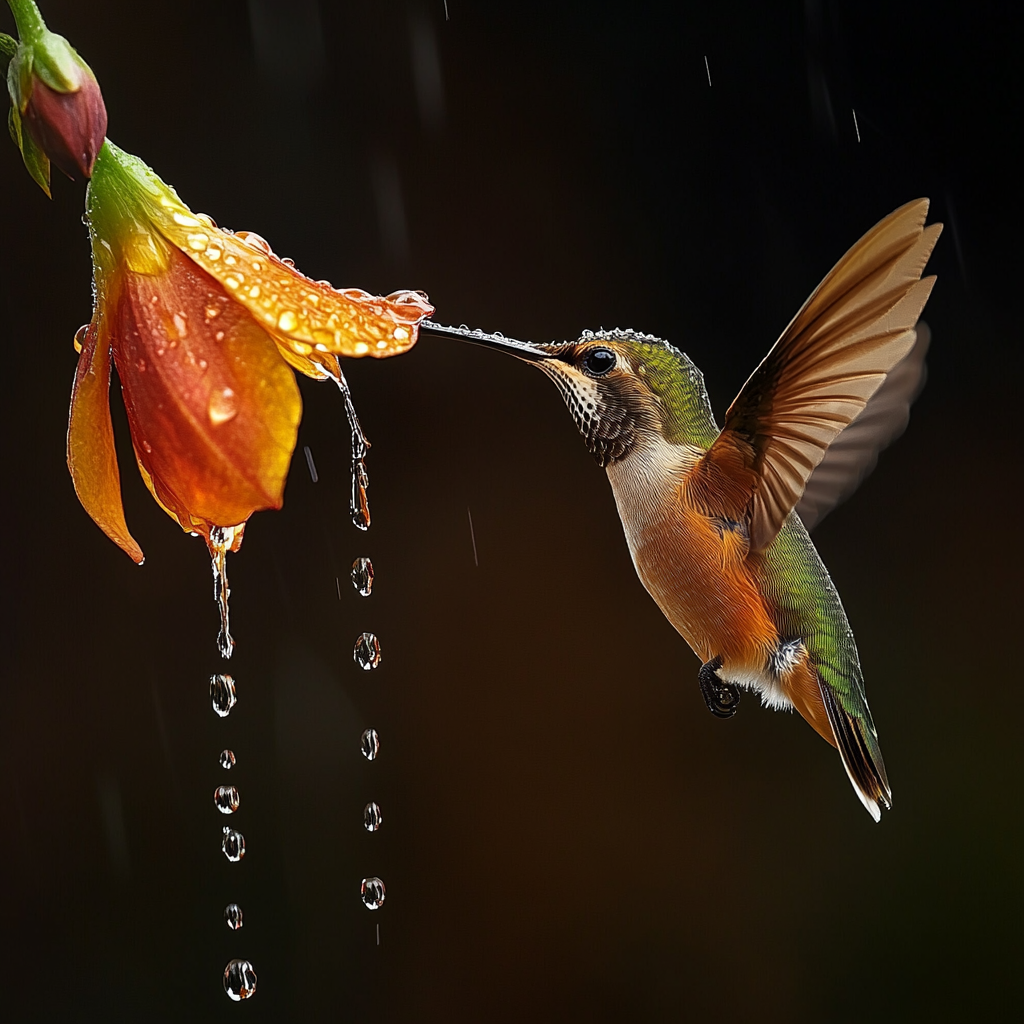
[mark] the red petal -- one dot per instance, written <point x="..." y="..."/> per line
<point x="91" y="455"/>
<point x="213" y="409"/>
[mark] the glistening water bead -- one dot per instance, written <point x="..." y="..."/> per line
<point x="225" y="799"/>
<point x="372" y="818"/>
<point x="369" y="744"/>
<point x="233" y="844"/>
<point x="372" y="891"/>
<point x="222" y="694"/>
<point x="367" y="652"/>
<point x="227" y="759"/>
<point x="233" y="916"/>
<point x="239" y="980"/>
<point x="362" y="576"/>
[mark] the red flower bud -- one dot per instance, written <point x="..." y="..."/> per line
<point x="69" y="127"/>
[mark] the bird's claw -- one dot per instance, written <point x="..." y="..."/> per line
<point x="722" y="698"/>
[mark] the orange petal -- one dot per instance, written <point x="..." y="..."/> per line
<point x="307" y="317"/>
<point x="213" y="409"/>
<point x="91" y="455"/>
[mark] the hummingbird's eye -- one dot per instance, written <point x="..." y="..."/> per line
<point x="598" y="361"/>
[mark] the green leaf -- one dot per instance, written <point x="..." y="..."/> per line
<point x="37" y="163"/>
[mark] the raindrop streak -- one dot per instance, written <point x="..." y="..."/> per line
<point x="362" y="576"/>
<point x="372" y="891"/>
<point x="311" y="464"/>
<point x="226" y="799"/>
<point x="227" y="759"/>
<point x="233" y="916"/>
<point x="223" y="699"/>
<point x="358" y="506"/>
<point x="239" y="980"/>
<point x="369" y="744"/>
<point x="222" y="540"/>
<point x="233" y="845"/>
<point x="367" y="652"/>
<point x="372" y="818"/>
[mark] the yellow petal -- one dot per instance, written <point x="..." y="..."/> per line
<point x="91" y="455"/>
<point x="306" y="317"/>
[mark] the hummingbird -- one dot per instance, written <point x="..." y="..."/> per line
<point x="717" y="519"/>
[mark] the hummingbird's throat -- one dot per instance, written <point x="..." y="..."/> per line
<point x="607" y="425"/>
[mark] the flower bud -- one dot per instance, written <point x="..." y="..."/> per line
<point x="56" y="98"/>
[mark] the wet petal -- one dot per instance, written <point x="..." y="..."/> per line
<point x="91" y="455"/>
<point x="304" y="316"/>
<point x="213" y="409"/>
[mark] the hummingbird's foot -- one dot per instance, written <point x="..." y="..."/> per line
<point x="722" y="698"/>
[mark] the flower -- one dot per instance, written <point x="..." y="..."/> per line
<point x="204" y="327"/>
<point x="58" y="112"/>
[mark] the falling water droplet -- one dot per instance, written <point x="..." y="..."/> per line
<point x="358" y="504"/>
<point x="372" y="818"/>
<point x="362" y="576"/>
<point x="222" y="540"/>
<point x="367" y="652"/>
<point x="226" y="799"/>
<point x="227" y="759"/>
<point x="222" y="696"/>
<point x="369" y="744"/>
<point x="372" y="891"/>
<point x="239" y="980"/>
<point x="233" y="845"/>
<point x="233" y="916"/>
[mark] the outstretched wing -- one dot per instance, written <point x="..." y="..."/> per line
<point x="853" y="454"/>
<point x="855" y="328"/>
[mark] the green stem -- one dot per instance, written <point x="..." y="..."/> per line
<point x="28" y="19"/>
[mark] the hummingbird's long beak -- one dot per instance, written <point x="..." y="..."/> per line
<point x="520" y="349"/>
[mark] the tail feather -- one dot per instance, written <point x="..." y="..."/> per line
<point x="858" y="745"/>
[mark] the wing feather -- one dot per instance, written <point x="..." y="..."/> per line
<point x="853" y="454"/>
<point x="856" y="327"/>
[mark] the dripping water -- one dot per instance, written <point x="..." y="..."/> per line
<point x="359" y="508"/>
<point x="222" y="540"/>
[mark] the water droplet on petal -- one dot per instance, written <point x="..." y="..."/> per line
<point x="197" y="241"/>
<point x="361" y="348"/>
<point x="369" y="744"/>
<point x="80" y="335"/>
<point x="401" y="334"/>
<point x="367" y="652"/>
<point x="180" y="325"/>
<point x="226" y="799"/>
<point x="256" y="241"/>
<point x="211" y="312"/>
<point x="372" y="891"/>
<point x="233" y="845"/>
<point x="287" y="321"/>
<point x="254" y="292"/>
<point x="372" y="818"/>
<point x="362" y="576"/>
<point x="206" y="221"/>
<point x="239" y="980"/>
<point x="233" y="916"/>
<point x="227" y="759"/>
<point x="186" y="220"/>
<point x="222" y="694"/>
<point x="221" y="406"/>
<point x="213" y="253"/>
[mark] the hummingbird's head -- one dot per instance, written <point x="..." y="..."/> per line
<point x="621" y="387"/>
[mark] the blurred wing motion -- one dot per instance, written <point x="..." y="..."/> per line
<point x="853" y="454"/>
<point x="856" y="327"/>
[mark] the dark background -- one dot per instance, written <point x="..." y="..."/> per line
<point x="568" y="834"/>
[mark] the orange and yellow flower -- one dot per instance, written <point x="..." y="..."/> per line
<point x="204" y="327"/>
